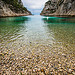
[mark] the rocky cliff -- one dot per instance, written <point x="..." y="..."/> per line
<point x="12" y="8"/>
<point x="59" y="8"/>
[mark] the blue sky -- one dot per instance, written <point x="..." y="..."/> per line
<point x="35" y="6"/>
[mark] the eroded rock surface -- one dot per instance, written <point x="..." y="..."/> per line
<point x="59" y="8"/>
<point x="12" y="8"/>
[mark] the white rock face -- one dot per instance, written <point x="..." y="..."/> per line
<point x="5" y="10"/>
<point x="59" y="8"/>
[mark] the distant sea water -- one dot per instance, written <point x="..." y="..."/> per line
<point x="19" y="31"/>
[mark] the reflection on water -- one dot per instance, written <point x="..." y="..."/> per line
<point x="40" y="29"/>
<point x="63" y="30"/>
<point x="59" y="20"/>
<point x="37" y="45"/>
<point x="10" y="28"/>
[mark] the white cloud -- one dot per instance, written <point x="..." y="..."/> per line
<point x="34" y="4"/>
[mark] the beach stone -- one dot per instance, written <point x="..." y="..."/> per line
<point x="42" y="70"/>
<point x="56" y="68"/>
<point x="33" y="70"/>
<point x="1" y="54"/>
<point x="64" y="55"/>
<point x="60" y="70"/>
<point x="70" y="71"/>
<point x="38" y="69"/>
<point x="30" y="42"/>
<point x="73" y="69"/>
<point x="41" y="73"/>
<point x="59" y="65"/>
<point x="73" y="73"/>
<point x="7" y="72"/>
<point x="51" y="73"/>
<point x="47" y="72"/>
<point x="5" y="53"/>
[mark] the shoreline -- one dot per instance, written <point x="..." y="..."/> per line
<point x="62" y="16"/>
<point x="18" y="15"/>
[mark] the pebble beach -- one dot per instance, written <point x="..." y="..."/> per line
<point x="35" y="45"/>
<point x="37" y="60"/>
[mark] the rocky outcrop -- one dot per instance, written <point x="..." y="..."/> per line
<point x="12" y="8"/>
<point x="61" y="8"/>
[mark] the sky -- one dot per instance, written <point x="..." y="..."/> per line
<point x="35" y="6"/>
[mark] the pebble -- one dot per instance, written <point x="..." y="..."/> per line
<point x="73" y="73"/>
<point x="42" y="70"/>
<point x="41" y="63"/>
<point x="47" y="72"/>
<point x="1" y="54"/>
<point x="33" y="70"/>
<point x="61" y="70"/>
<point x="41" y="73"/>
<point x="56" y="68"/>
<point x="70" y="71"/>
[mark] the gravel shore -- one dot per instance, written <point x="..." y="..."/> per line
<point x="36" y="59"/>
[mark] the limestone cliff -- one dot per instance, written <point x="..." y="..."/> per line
<point x="12" y="8"/>
<point x="59" y="8"/>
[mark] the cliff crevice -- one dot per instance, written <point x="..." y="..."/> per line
<point x="59" y="8"/>
<point x="12" y="8"/>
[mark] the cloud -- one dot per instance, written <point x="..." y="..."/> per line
<point x="34" y="5"/>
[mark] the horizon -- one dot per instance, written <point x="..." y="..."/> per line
<point x="34" y="7"/>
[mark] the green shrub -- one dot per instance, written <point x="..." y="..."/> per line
<point x="15" y="4"/>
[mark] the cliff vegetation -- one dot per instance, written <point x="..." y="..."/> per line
<point x="12" y="8"/>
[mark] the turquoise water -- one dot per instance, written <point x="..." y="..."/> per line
<point x="37" y="29"/>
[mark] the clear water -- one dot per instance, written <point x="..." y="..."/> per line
<point x="37" y="29"/>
